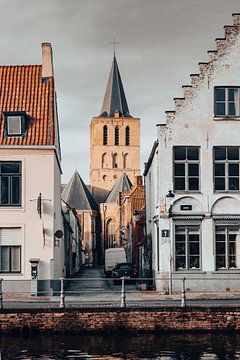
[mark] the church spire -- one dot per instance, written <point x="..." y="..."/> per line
<point x="114" y="98"/>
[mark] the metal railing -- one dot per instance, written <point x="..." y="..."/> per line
<point x="124" y="292"/>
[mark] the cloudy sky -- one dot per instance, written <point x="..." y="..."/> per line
<point x="161" y="43"/>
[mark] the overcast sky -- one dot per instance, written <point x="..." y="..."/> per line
<point x="161" y="43"/>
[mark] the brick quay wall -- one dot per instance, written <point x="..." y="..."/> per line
<point x="117" y="319"/>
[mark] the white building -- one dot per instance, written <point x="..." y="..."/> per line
<point x="192" y="178"/>
<point x="30" y="198"/>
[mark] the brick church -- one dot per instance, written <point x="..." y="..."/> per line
<point x="114" y="170"/>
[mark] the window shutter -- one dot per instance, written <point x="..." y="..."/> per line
<point x="10" y="236"/>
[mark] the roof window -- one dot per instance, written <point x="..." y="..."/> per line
<point x="15" y="123"/>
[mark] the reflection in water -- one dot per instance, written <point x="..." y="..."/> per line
<point x="215" y="346"/>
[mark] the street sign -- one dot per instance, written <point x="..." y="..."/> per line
<point x="165" y="233"/>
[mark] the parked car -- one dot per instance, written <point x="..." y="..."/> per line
<point x="127" y="270"/>
<point x="113" y="256"/>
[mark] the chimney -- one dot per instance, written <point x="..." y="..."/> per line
<point x="139" y="180"/>
<point x="47" y="60"/>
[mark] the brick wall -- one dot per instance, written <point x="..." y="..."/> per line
<point x="159" y="319"/>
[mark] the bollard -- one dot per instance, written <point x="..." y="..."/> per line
<point x="1" y="296"/>
<point x="123" y="293"/>
<point x="183" y="300"/>
<point x="62" y="295"/>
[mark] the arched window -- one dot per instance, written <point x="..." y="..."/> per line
<point x="127" y="136"/>
<point x="104" y="177"/>
<point x="125" y="161"/>
<point x="104" y="160"/>
<point x="115" y="165"/>
<point x="105" y="135"/>
<point x="116" y="135"/>
<point x="110" y="234"/>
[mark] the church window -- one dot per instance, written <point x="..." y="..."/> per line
<point x="127" y="135"/>
<point x="105" y="135"/>
<point x="227" y="101"/>
<point x="115" y="165"/>
<point x="110" y="234"/>
<point x="116" y="135"/>
<point x="125" y="161"/>
<point x="104" y="160"/>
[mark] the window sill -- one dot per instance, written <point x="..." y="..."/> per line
<point x="226" y="118"/>
<point x="180" y="192"/>
<point x="226" y="191"/>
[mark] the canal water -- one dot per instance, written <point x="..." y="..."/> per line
<point x="215" y="346"/>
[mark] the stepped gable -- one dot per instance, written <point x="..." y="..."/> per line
<point x="114" y="98"/>
<point x="77" y="195"/>
<point x="123" y="184"/>
<point x="206" y="68"/>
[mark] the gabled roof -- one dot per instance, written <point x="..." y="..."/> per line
<point x="114" y="98"/>
<point x="77" y="195"/>
<point x="25" y="90"/>
<point x="123" y="184"/>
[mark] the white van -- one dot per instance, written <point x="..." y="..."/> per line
<point x="114" y="256"/>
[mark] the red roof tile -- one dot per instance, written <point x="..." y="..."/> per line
<point x="23" y="89"/>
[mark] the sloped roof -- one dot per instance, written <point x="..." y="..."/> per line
<point x="123" y="184"/>
<point x="77" y="195"/>
<point x="24" y="90"/>
<point x="114" y="98"/>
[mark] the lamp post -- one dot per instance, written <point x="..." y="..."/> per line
<point x="104" y="229"/>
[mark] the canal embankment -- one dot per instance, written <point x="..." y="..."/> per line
<point x="99" y="319"/>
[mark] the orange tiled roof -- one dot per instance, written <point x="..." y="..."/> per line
<point x="23" y="89"/>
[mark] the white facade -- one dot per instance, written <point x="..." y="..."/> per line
<point x="40" y="173"/>
<point x="199" y="161"/>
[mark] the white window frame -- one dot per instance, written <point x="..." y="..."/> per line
<point x="187" y="230"/>
<point x="227" y="231"/>
<point x="186" y="177"/>
<point x="226" y="176"/>
<point x="226" y="101"/>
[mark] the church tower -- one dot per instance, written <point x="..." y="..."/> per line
<point x="114" y="139"/>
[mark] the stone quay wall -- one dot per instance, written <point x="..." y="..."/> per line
<point x="117" y="319"/>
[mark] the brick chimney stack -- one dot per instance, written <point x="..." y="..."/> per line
<point x="47" y="60"/>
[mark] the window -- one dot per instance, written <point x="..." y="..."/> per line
<point x="125" y="161"/>
<point x="115" y="165"/>
<point x="187" y="247"/>
<point x="15" y="123"/>
<point x="186" y="168"/>
<point x="227" y="101"/>
<point x="10" y="250"/>
<point x="10" y="184"/>
<point x="226" y="168"/>
<point x="105" y="135"/>
<point x="227" y="247"/>
<point x="104" y="160"/>
<point x="127" y="135"/>
<point x="10" y="259"/>
<point x="116" y="135"/>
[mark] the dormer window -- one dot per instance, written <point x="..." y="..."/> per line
<point x="227" y="101"/>
<point x="15" y="123"/>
